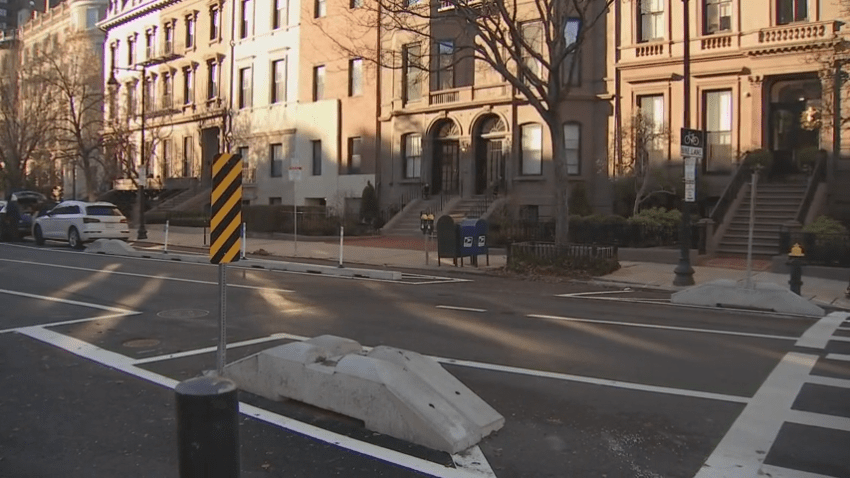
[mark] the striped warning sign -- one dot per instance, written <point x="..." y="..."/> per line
<point x="226" y="212"/>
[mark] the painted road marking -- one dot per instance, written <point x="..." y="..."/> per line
<point x="778" y="472"/>
<point x="148" y="276"/>
<point x="189" y="353"/>
<point x="829" y="381"/>
<point x="821" y="332"/>
<point x="820" y="420"/>
<point x="741" y="452"/>
<point x="662" y="327"/>
<point x="66" y="301"/>
<point x="840" y="357"/>
<point x="126" y="365"/>
<point x="464" y="309"/>
<point x="585" y="294"/>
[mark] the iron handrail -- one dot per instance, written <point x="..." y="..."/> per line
<point x="741" y="176"/>
<point x="818" y="175"/>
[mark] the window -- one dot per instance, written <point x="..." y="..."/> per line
<point x="318" y="82"/>
<point x="212" y="79"/>
<point x="131" y="50"/>
<point x="532" y="34"/>
<point x="445" y="74"/>
<point x="279" y="18"/>
<point x="131" y="99"/>
<point x="166" y="91"/>
<point x="651" y="20"/>
<point x="356" y="3"/>
<point x="354" y="155"/>
<point x="149" y="100"/>
<point x="149" y="50"/>
<point x="188" y="157"/>
<point x="190" y="32"/>
<point x="275" y="201"/>
<point x="355" y="77"/>
<point x="532" y="149"/>
<point x="412" y="144"/>
<point x="168" y="39"/>
<point x="412" y="71"/>
<point x="167" y="169"/>
<point x="276" y="159"/>
<point x="245" y="24"/>
<point x="319" y="8"/>
<point x="651" y="127"/>
<point x="92" y="16"/>
<point x="279" y="81"/>
<point x="572" y="146"/>
<point x="243" y="151"/>
<point x="245" y="88"/>
<point x="571" y="67"/>
<point x="788" y="11"/>
<point x="214" y="26"/>
<point x="317" y="158"/>
<point x="718" y="16"/>
<point x="718" y="127"/>
<point x="188" y="86"/>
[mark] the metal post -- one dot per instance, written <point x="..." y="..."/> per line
<point x="836" y="119"/>
<point x="165" y="246"/>
<point x="244" y="240"/>
<point x="749" y="283"/>
<point x="684" y="272"/>
<point x="341" y="236"/>
<point x="796" y="280"/>
<point x="294" y="219"/>
<point x="142" y="232"/>
<point x="222" y="319"/>
<point x="207" y="428"/>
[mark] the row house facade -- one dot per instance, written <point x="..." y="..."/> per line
<point x="755" y="68"/>
<point x="460" y="128"/>
<point x="231" y="76"/>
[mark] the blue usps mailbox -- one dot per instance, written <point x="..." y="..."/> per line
<point x="473" y="238"/>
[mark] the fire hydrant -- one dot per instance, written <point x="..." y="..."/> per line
<point x="795" y="257"/>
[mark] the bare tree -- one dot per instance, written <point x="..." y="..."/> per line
<point x="531" y="44"/>
<point x="73" y="71"/>
<point x="27" y="116"/>
<point x="643" y="144"/>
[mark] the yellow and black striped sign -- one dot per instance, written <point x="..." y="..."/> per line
<point x="226" y="211"/>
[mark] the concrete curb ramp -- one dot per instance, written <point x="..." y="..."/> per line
<point x="763" y="296"/>
<point x="118" y="247"/>
<point x="395" y="392"/>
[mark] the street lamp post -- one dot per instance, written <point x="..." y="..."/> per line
<point x="112" y="82"/>
<point x="684" y="272"/>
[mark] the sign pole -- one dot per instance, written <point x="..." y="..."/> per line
<point x="222" y="319"/>
<point x="295" y="218"/>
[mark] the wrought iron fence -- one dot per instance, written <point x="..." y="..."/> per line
<point x="620" y="234"/>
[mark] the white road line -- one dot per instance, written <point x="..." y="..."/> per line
<point x="75" y="321"/>
<point x="125" y="364"/>
<point x="189" y="353"/>
<point x="819" y="420"/>
<point x="662" y="327"/>
<point x="464" y="309"/>
<point x="475" y="461"/>
<point x="159" y="277"/>
<point x="821" y="332"/>
<point x="66" y="301"/>
<point x="743" y="449"/>
<point x="829" y="381"/>
<point x="847" y="329"/>
<point x="778" y="472"/>
<point x="582" y="294"/>
<point x="840" y="357"/>
<point x="595" y="381"/>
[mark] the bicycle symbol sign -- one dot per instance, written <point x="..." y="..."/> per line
<point x="691" y="142"/>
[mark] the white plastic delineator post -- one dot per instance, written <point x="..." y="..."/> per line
<point x="165" y="246"/>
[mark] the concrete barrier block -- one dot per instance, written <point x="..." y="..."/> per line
<point x="115" y="247"/>
<point x="396" y="392"/>
<point x="762" y="296"/>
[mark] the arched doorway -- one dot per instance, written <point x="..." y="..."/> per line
<point x="446" y="155"/>
<point x="489" y="136"/>
<point x="789" y="98"/>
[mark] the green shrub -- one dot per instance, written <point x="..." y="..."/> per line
<point x="657" y="217"/>
<point x="369" y="210"/>
<point x="807" y="157"/>
<point x="762" y="157"/>
<point x="825" y="225"/>
<point x="579" y="203"/>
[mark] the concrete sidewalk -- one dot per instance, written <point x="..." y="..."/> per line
<point x="401" y="252"/>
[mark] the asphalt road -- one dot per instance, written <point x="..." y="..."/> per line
<point x="592" y="381"/>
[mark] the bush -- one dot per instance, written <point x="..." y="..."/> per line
<point x="761" y="157"/>
<point x="579" y="203"/>
<point x="824" y="226"/>
<point x="369" y="210"/>
<point x="657" y="217"/>
<point x="807" y="157"/>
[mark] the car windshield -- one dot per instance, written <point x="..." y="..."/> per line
<point x="102" y="211"/>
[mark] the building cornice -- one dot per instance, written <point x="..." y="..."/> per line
<point x="134" y="13"/>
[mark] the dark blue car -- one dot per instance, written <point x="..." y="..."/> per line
<point x="17" y="214"/>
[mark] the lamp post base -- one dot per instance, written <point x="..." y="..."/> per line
<point x="684" y="274"/>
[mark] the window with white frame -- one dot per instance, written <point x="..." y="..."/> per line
<point x="572" y="147"/>
<point x="212" y="79"/>
<point x="571" y="67"/>
<point x="165" y="152"/>
<point x="167" y="90"/>
<point x="168" y="38"/>
<point x="412" y="72"/>
<point x="278" y="91"/>
<point x="92" y="17"/>
<point x="718" y="127"/>
<point x="279" y="17"/>
<point x="531" y="154"/>
<point x="532" y="35"/>
<point x="789" y="11"/>
<point x="355" y="77"/>
<point x="131" y="99"/>
<point x="188" y="157"/>
<point x="188" y="86"/>
<point x="318" y="82"/>
<point x="718" y="16"/>
<point x="190" y="31"/>
<point x="445" y="74"/>
<point x="245" y="87"/>
<point x="650" y="20"/>
<point x="131" y="51"/>
<point x="245" y="23"/>
<point x="149" y="45"/>
<point x="649" y="135"/>
<point x="355" y="145"/>
<point x="319" y="8"/>
<point x="215" y="27"/>
<point x="412" y="145"/>
<point x="276" y="159"/>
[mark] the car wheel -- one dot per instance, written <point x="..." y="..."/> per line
<point x="74" y="239"/>
<point x="38" y="235"/>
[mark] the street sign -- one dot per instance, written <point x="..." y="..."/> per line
<point x="690" y="191"/>
<point x="690" y="168"/>
<point x="226" y="212"/>
<point x="295" y="173"/>
<point x="692" y="142"/>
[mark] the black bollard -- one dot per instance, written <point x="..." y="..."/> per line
<point x="796" y="276"/>
<point x="208" y="428"/>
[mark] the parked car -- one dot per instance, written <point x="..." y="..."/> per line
<point x="79" y="222"/>
<point x="16" y="214"/>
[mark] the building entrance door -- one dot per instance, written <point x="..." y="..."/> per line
<point x="446" y="171"/>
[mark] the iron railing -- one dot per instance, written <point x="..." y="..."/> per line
<point x="741" y="176"/>
<point x="818" y="176"/>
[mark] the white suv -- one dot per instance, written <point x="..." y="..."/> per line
<point x="79" y="222"/>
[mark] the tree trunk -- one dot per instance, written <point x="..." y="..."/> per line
<point x="562" y="186"/>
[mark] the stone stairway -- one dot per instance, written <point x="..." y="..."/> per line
<point x="776" y="204"/>
<point x="408" y="224"/>
<point x="175" y="202"/>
